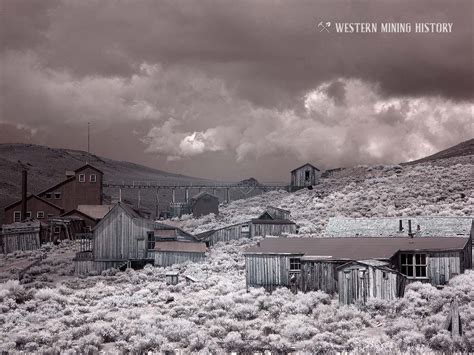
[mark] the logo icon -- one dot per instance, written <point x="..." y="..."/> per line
<point x="324" y="26"/>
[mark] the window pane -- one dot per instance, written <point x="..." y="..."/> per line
<point x="404" y="270"/>
<point x="409" y="271"/>
<point x="417" y="258"/>
<point x="404" y="259"/>
<point x="410" y="259"/>
<point x="423" y="259"/>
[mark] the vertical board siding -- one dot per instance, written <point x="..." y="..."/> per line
<point x="12" y="241"/>
<point x="319" y="275"/>
<point x="443" y="266"/>
<point x="168" y="258"/>
<point x="262" y="230"/>
<point x="227" y="234"/>
<point x="120" y="237"/>
<point x="85" y="267"/>
<point x="268" y="271"/>
<point x="353" y="288"/>
<point x="298" y="176"/>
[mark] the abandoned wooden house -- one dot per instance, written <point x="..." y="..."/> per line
<point x="304" y="176"/>
<point x="204" y="203"/>
<point x="36" y="207"/>
<point x="123" y="238"/>
<point x="316" y="263"/>
<point x="266" y="224"/>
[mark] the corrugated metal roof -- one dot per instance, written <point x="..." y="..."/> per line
<point x="388" y="226"/>
<point x="95" y="211"/>
<point x="354" y="248"/>
<point x="184" y="247"/>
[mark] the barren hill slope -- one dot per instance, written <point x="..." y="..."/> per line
<point x="459" y="150"/>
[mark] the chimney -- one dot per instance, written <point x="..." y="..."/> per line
<point x="24" y="187"/>
<point x="400" y="225"/>
<point x="410" y="232"/>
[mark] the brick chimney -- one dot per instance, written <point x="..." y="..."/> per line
<point x="24" y="191"/>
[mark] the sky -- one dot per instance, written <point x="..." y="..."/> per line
<point x="229" y="90"/>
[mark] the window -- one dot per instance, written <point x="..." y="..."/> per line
<point x="28" y="214"/>
<point x="93" y="178"/>
<point x="57" y="195"/>
<point x="49" y="195"/>
<point x="413" y="265"/>
<point x="245" y="228"/>
<point x="17" y="216"/>
<point x="306" y="175"/>
<point x="151" y="240"/>
<point x="57" y="230"/>
<point x="295" y="264"/>
<point x="40" y="214"/>
<point x="82" y="178"/>
<point x="385" y="275"/>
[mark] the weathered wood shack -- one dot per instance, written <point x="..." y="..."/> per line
<point x="225" y="234"/>
<point x="167" y="253"/>
<point x="273" y="227"/>
<point x="304" y="176"/>
<point x="124" y="239"/>
<point x="359" y="281"/>
<point x="312" y="263"/>
<point x="204" y="203"/>
<point x="21" y="236"/>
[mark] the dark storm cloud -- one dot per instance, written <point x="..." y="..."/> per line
<point x="195" y="83"/>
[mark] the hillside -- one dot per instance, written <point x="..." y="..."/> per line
<point x="47" y="166"/>
<point x="462" y="149"/>
<point x="137" y="311"/>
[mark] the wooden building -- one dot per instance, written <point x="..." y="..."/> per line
<point x="123" y="238"/>
<point x="304" y="176"/>
<point x="277" y="213"/>
<point x="268" y="223"/>
<point x="360" y="281"/>
<point x="37" y="208"/>
<point x="25" y="235"/>
<point x="81" y="187"/>
<point x="167" y="253"/>
<point x="204" y="203"/>
<point x="315" y="263"/>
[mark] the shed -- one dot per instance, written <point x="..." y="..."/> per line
<point x="172" y="277"/>
<point x="277" y="213"/>
<point x="304" y="176"/>
<point x="204" y="203"/>
<point x="168" y="253"/>
<point x="225" y="234"/>
<point x="359" y="281"/>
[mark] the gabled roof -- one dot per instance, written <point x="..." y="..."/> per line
<point x="381" y="248"/>
<point x="302" y="166"/>
<point x="179" y="231"/>
<point x="35" y="197"/>
<point x="381" y="265"/>
<point x="202" y="194"/>
<point x="434" y="226"/>
<point x="88" y="166"/>
<point x="204" y="235"/>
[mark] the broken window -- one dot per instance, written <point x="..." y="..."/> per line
<point x="307" y="175"/>
<point x="413" y="265"/>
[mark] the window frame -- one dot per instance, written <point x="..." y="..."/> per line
<point x="16" y="216"/>
<point x="150" y="241"/>
<point x="28" y="214"/>
<point x="417" y="263"/>
<point x="56" y="194"/>
<point x="93" y="179"/>
<point x="82" y="178"/>
<point x="57" y="230"/>
<point x="294" y="261"/>
<point x="49" y="195"/>
<point x="307" y="175"/>
<point x="40" y="214"/>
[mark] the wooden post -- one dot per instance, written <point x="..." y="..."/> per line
<point x="227" y="195"/>
<point x="157" y="211"/>
<point x="173" y="195"/>
<point x="120" y="194"/>
<point x="186" y="195"/>
<point x="453" y="321"/>
<point x="138" y="204"/>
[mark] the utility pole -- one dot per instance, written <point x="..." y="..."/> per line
<point x="88" y="138"/>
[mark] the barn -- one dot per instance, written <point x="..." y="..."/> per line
<point x="304" y="176"/>
<point x="312" y="264"/>
<point x="204" y="203"/>
<point x="123" y="238"/>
